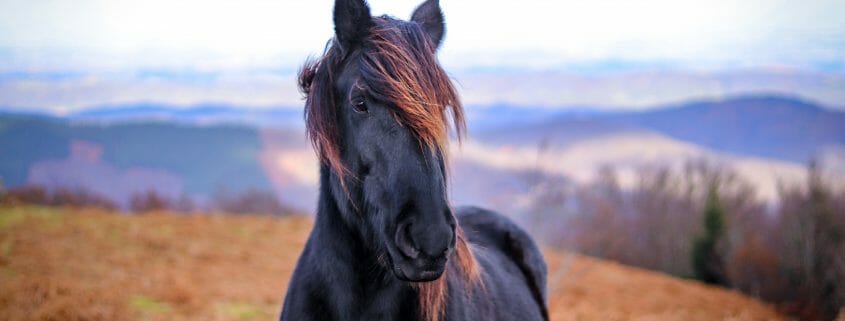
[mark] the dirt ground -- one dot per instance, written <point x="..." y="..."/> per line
<point x="74" y="264"/>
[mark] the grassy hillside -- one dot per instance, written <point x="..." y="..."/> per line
<point x="71" y="264"/>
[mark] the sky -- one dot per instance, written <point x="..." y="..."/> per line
<point x="69" y="54"/>
<point x="541" y="33"/>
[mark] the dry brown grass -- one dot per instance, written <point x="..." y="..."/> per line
<point x="71" y="264"/>
<point x="585" y="288"/>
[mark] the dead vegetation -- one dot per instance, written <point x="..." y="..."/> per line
<point x="85" y="264"/>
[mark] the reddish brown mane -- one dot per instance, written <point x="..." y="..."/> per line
<point x="398" y="65"/>
<point x="432" y="295"/>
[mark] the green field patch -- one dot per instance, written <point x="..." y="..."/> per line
<point x="14" y="215"/>
<point x="164" y="231"/>
<point x="6" y="246"/>
<point x="49" y="217"/>
<point x="148" y="305"/>
<point x="242" y="311"/>
<point x="11" y="216"/>
<point x="116" y="235"/>
<point x="243" y="232"/>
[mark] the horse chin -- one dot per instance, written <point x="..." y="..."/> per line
<point x="417" y="275"/>
<point x="409" y="271"/>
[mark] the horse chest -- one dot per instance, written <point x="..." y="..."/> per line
<point x="373" y="305"/>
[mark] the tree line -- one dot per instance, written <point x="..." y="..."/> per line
<point x="250" y="201"/>
<point x="704" y="222"/>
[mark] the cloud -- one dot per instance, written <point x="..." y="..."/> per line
<point x="64" y="56"/>
<point x="220" y="33"/>
<point x="633" y="89"/>
<point x="74" y="93"/>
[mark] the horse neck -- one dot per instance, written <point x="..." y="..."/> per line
<point x="353" y="259"/>
<point x="341" y="233"/>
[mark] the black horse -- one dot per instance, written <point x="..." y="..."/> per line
<point x="386" y="245"/>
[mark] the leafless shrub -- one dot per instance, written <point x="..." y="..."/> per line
<point x="149" y="201"/>
<point x="39" y="195"/>
<point x="253" y="201"/>
<point x="28" y="194"/>
<point x="789" y="253"/>
<point x="811" y="247"/>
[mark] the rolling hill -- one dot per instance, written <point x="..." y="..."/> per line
<point x="200" y="159"/>
<point x="775" y="127"/>
<point x="196" y="114"/>
<point x="628" y="153"/>
<point x="83" y="264"/>
<point x="198" y="150"/>
<point x="769" y="127"/>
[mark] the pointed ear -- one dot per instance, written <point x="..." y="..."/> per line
<point x="430" y="18"/>
<point x="352" y="22"/>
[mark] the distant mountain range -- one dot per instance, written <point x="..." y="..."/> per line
<point x="198" y="114"/>
<point x="776" y="127"/>
<point x="768" y="127"/>
<point x="200" y="149"/>
<point x="190" y="159"/>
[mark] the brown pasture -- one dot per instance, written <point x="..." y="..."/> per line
<point x="86" y="264"/>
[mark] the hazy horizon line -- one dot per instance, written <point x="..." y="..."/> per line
<point x="153" y="104"/>
<point x="41" y="61"/>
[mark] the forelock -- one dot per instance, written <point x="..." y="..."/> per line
<point x="398" y="67"/>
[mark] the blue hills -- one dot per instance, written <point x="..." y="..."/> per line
<point x="211" y="113"/>
<point x="775" y="127"/>
<point x="200" y="148"/>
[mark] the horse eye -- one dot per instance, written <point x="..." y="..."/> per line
<point x="359" y="105"/>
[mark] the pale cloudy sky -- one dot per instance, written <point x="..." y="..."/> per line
<point x="65" y="55"/>
<point x="198" y="34"/>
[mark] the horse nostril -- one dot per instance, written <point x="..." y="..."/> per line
<point x="404" y="241"/>
<point x="434" y="241"/>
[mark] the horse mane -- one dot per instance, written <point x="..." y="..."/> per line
<point x="432" y="295"/>
<point x="398" y="65"/>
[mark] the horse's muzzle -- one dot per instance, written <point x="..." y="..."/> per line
<point x="422" y="251"/>
<point x="419" y="270"/>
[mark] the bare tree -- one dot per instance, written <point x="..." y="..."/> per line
<point x="812" y="230"/>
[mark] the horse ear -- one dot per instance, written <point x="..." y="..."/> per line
<point x="352" y="22"/>
<point x="430" y="18"/>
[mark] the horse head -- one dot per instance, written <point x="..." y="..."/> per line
<point x="379" y="109"/>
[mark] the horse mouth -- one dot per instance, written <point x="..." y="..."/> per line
<point x="418" y="270"/>
<point x="417" y="275"/>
